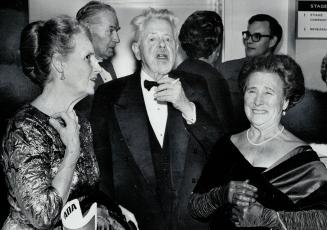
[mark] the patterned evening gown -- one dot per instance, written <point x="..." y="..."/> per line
<point x="32" y="154"/>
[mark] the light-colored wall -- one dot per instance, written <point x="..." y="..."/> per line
<point x="309" y="53"/>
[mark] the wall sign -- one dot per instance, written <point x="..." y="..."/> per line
<point x="312" y="19"/>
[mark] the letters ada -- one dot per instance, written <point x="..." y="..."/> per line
<point x="69" y="210"/>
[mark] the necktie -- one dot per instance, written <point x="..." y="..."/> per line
<point x="149" y="84"/>
<point x="107" y="65"/>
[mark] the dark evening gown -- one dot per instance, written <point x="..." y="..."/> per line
<point x="296" y="182"/>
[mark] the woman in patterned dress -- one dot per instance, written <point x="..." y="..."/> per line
<point x="48" y="155"/>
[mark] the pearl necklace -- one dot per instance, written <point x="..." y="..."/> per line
<point x="265" y="141"/>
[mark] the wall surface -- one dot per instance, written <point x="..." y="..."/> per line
<point x="309" y="53"/>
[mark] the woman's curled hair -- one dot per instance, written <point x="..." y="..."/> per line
<point x="284" y="66"/>
<point x="201" y="33"/>
<point x="40" y="40"/>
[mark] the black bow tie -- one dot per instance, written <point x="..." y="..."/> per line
<point x="149" y="84"/>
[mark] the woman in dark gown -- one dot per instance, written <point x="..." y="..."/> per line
<point x="48" y="155"/>
<point x="264" y="177"/>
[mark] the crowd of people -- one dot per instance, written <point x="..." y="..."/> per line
<point x="173" y="146"/>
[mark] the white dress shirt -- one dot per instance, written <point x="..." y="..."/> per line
<point x="105" y="75"/>
<point x="157" y="111"/>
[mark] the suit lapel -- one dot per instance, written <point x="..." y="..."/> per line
<point x="177" y="143"/>
<point x="132" y="118"/>
<point x="178" y="139"/>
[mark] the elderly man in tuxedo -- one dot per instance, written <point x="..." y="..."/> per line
<point x="152" y="129"/>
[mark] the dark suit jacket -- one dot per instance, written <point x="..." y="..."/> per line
<point x="121" y="142"/>
<point x="218" y="89"/>
<point x="230" y="71"/>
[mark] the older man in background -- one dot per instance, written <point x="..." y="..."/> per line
<point x="101" y="20"/>
<point x="262" y="37"/>
<point x="152" y="129"/>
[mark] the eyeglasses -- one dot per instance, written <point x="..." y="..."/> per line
<point x="255" y="37"/>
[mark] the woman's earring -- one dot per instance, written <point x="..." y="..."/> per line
<point x="62" y="77"/>
<point x="284" y="113"/>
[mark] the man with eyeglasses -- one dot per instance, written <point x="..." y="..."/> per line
<point x="102" y="23"/>
<point x="261" y="38"/>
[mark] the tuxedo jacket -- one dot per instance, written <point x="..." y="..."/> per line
<point x="121" y="141"/>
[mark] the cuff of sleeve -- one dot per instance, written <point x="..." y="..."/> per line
<point x="190" y="117"/>
<point x="281" y="222"/>
<point x="218" y="195"/>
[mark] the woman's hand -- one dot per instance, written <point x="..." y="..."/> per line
<point x="241" y="193"/>
<point x="66" y="123"/>
<point x="129" y="216"/>
<point x="255" y="215"/>
<point x="102" y="220"/>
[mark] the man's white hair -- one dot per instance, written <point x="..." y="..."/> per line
<point x="139" y="21"/>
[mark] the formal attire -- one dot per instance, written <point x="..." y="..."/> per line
<point x="107" y="74"/>
<point x="151" y="169"/>
<point x="218" y="89"/>
<point x="32" y="155"/>
<point x="296" y="182"/>
<point x="230" y="71"/>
